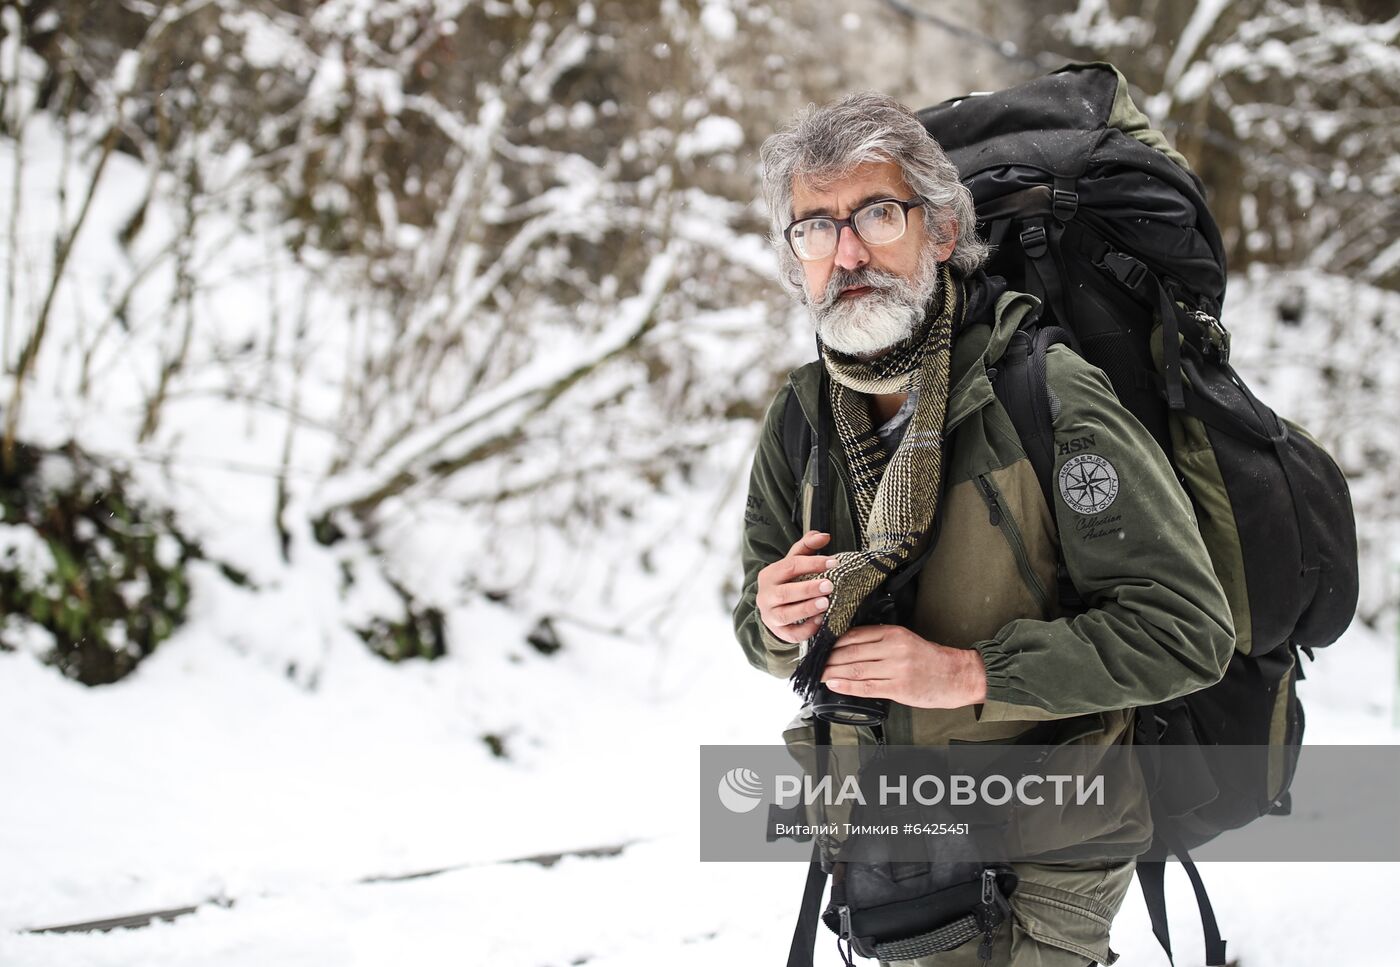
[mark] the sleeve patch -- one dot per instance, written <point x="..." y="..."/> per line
<point x="1088" y="483"/>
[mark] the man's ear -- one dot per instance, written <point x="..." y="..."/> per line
<point x="797" y="281"/>
<point x="945" y="237"/>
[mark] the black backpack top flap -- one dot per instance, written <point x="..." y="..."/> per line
<point x="1060" y="128"/>
<point x="1067" y="102"/>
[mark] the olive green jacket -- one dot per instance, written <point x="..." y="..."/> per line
<point x="1157" y="624"/>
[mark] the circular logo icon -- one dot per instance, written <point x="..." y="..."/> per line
<point x="1088" y="483"/>
<point x="740" y="790"/>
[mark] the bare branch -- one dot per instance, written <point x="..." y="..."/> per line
<point x="499" y="415"/>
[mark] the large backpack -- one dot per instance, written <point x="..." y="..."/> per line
<point x="1089" y="208"/>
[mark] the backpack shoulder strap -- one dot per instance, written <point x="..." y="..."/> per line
<point x="1022" y="389"/>
<point x="797" y="436"/>
<point x="797" y="445"/>
<point x="804" y="933"/>
<point x="1151" y="874"/>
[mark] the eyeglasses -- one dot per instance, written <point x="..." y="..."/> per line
<point x="878" y="223"/>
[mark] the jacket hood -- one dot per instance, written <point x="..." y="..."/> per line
<point x="991" y="301"/>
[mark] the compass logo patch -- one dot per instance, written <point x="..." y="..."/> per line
<point x="1088" y="483"/>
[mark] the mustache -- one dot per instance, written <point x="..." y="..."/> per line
<point x="842" y="279"/>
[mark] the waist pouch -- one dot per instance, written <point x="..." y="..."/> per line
<point x="902" y="911"/>
<point x="915" y="905"/>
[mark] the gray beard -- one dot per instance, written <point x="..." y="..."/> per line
<point x="882" y="318"/>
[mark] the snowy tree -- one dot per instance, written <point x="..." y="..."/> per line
<point x="466" y="259"/>
<point x="1289" y="111"/>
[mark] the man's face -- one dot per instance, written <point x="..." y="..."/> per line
<point x="866" y="298"/>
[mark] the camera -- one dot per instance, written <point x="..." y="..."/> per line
<point x="883" y="607"/>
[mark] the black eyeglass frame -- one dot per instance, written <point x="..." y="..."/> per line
<point x="850" y="222"/>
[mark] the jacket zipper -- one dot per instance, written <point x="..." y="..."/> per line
<point x="999" y="518"/>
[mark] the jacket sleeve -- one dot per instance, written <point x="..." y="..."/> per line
<point x="1157" y="624"/>
<point x="769" y="531"/>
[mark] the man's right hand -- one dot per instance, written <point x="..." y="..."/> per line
<point x="790" y="602"/>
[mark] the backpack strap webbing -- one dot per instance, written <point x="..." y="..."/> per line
<point x="804" y="934"/>
<point x="1045" y="272"/>
<point x="1021" y="387"/>
<point x="797" y="446"/>
<point x="1151" y="875"/>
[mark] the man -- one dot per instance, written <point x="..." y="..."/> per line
<point x="876" y="237"/>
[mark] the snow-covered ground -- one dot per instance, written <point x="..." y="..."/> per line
<point x="210" y="773"/>
<point x="263" y="764"/>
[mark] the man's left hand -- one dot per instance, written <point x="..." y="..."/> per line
<point x="889" y="661"/>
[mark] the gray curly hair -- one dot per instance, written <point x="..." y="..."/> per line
<point x="823" y="144"/>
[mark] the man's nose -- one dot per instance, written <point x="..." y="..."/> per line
<point x="851" y="252"/>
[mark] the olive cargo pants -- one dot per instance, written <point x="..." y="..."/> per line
<point x="1060" y="918"/>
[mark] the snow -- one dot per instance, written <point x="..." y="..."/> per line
<point x="1194" y="83"/>
<point x="719" y="21"/>
<point x="386" y="86"/>
<point x="124" y="74"/>
<point x="262" y="755"/>
<point x="1386" y="261"/>
<point x="711" y="135"/>
<point x="264" y="765"/>
<point x="25" y="636"/>
<point x="212" y="773"/>
<point x="1091" y="25"/>
<point x="1203" y="19"/>
<point x="567" y="52"/>
<point x="22" y="548"/>
<point x="328" y="85"/>
<point x="264" y="44"/>
<point x="501" y="407"/>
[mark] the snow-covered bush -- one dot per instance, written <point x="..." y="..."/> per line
<point x="404" y="269"/>
<point x="91" y="578"/>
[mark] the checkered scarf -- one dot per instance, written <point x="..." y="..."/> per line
<point x="895" y="494"/>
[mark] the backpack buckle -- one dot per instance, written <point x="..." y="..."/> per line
<point x="1064" y="204"/>
<point x="1033" y="240"/>
<point x="1214" y="334"/>
<point x="1124" y="268"/>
